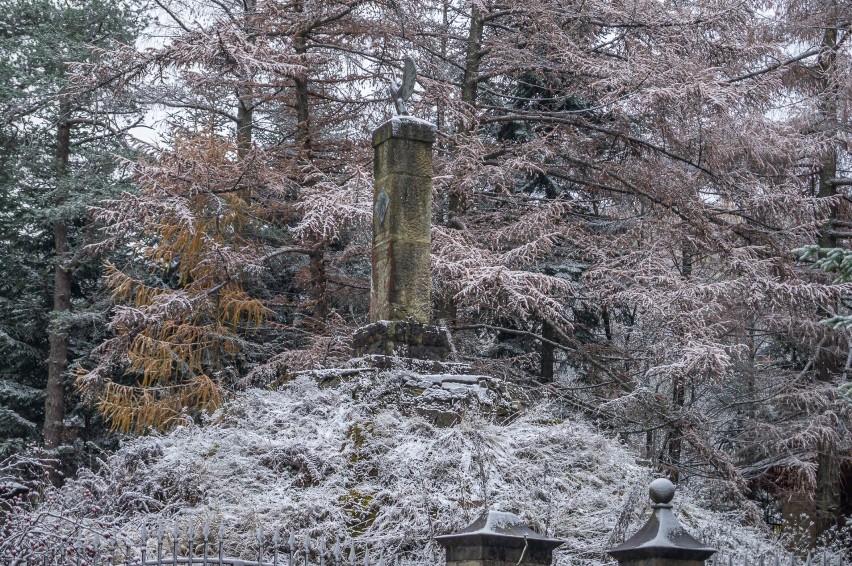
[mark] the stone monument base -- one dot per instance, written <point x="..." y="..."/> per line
<point x="403" y="339"/>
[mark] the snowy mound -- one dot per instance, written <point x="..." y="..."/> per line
<point x="312" y="459"/>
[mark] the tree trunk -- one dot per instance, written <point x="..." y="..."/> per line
<point x="245" y="102"/>
<point x="470" y="84"/>
<point x="828" y="474"/>
<point x="678" y="384"/>
<point x="303" y="130"/>
<point x="54" y="405"/>
<point x="473" y="56"/>
<point x="319" y="281"/>
<point x="548" y="352"/>
<point x="828" y="111"/>
<point x="827" y="486"/>
<point x="245" y="123"/>
<point x="676" y="439"/>
<point x="446" y="309"/>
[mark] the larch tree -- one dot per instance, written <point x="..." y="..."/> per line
<point x="250" y="213"/>
<point x="632" y="188"/>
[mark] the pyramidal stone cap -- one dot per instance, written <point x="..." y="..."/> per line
<point x="662" y="536"/>
<point x="497" y="538"/>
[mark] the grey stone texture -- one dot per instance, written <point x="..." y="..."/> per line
<point x="401" y="338"/>
<point x="402" y="197"/>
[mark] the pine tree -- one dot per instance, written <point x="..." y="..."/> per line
<point x="59" y="157"/>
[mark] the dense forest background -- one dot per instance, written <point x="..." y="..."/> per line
<point x="641" y="212"/>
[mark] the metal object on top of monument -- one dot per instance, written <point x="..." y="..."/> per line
<point x="401" y="92"/>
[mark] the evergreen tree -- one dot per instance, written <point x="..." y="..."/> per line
<point x="60" y="145"/>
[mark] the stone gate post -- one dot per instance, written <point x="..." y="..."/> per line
<point x="662" y="541"/>
<point x="498" y="539"/>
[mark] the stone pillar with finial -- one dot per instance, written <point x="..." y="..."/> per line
<point x="662" y="541"/>
<point x="402" y="223"/>
<point x="498" y="539"/>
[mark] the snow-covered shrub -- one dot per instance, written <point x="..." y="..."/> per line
<point x="316" y="460"/>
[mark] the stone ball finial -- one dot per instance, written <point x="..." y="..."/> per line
<point x="661" y="491"/>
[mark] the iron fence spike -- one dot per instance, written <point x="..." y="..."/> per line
<point x="276" y="541"/>
<point x="307" y="548"/>
<point x="205" y="529"/>
<point x="160" y="529"/>
<point x="352" y="553"/>
<point x="336" y="552"/>
<point x="190" y="535"/>
<point x="221" y="533"/>
<point x="160" y="544"/>
<point x="366" y="556"/>
<point x="175" y="534"/>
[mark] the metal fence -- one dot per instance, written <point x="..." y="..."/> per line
<point x="202" y="548"/>
<point x="166" y="547"/>
<point x="825" y="558"/>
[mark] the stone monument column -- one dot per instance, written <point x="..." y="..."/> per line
<point x="402" y="212"/>
<point x="402" y="235"/>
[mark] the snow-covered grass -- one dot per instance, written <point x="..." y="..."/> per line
<point x="329" y="462"/>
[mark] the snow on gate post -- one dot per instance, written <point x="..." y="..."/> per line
<point x="498" y="539"/>
<point x="662" y="541"/>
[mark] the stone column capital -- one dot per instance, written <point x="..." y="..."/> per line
<point x="405" y="127"/>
